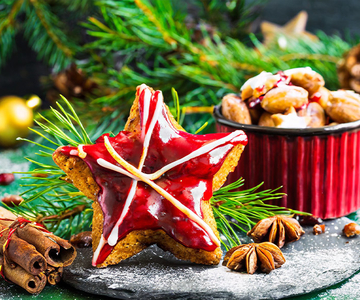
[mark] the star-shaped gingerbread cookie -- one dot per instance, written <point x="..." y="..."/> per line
<point x="151" y="184"/>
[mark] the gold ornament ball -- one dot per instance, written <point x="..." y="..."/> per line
<point x="15" y="118"/>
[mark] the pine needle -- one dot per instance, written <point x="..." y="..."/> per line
<point x="239" y="210"/>
<point x="57" y="203"/>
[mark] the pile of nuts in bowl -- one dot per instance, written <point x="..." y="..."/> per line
<point x="295" y="98"/>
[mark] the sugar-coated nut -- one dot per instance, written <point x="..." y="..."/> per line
<point x="6" y="178"/>
<point x="290" y="110"/>
<point x="259" y="85"/>
<point x="344" y="107"/>
<point x="266" y="120"/>
<point x="233" y="108"/>
<point x="277" y="119"/>
<point x="281" y="98"/>
<point x="310" y="81"/>
<point x="325" y="97"/>
<point x="12" y="200"/>
<point x="316" y="114"/>
<point x="247" y="92"/>
<point x="351" y="229"/>
<point x="268" y="85"/>
<point x="290" y="119"/>
<point x="306" y="220"/>
<point x="318" y="229"/>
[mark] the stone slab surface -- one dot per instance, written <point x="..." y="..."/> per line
<point x="313" y="263"/>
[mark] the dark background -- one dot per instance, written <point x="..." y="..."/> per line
<point x="21" y="74"/>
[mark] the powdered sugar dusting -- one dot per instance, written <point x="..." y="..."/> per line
<point x="314" y="262"/>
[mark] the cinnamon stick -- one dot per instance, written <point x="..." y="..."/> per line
<point x="57" y="252"/>
<point x="30" y="256"/>
<point x="22" y="253"/>
<point x="53" y="275"/>
<point x="34" y="284"/>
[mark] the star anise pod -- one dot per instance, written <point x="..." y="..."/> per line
<point x="249" y="257"/>
<point x="277" y="229"/>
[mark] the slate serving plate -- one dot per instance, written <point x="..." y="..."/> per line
<point x="313" y="263"/>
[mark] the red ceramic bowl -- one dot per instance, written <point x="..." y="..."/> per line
<point x="319" y="168"/>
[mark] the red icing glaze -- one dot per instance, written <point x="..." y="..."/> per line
<point x="260" y="89"/>
<point x="189" y="182"/>
<point x="316" y="97"/>
<point x="284" y="80"/>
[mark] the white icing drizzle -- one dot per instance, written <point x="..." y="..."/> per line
<point x="260" y="80"/>
<point x="345" y="93"/>
<point x="263" y="77"/>
<point x="74" y="152"/>
<point x="145" y="112"/>
<point x="293" y="121"/>
<point x="204" y="149"/>
<point x="151" y="129"/>
<point x="142" y="87"/>
<point x="102" y="243"/>
<point x="105" y="164"/>
<point x="114" y="235"/>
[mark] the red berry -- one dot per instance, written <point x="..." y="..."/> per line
<point x="6" y="178"/>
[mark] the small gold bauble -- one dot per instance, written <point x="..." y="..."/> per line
<point x="15" y="118"/>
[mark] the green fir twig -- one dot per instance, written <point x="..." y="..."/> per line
<point x="50" y="199"/>
<point x="238" y="210"/>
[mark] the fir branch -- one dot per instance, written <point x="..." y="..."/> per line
<point x="81" y="6"/>
<point x="158" y="21"/>
<point x="40" y="21"/>
<point x="68" y="213"/>
<point x="52" y="200"/>
<point x="236" y="210"/>
<point x="45" y="21"/>
<point x="10" y="20"/>
<point x="8" y="29"/>
<point x="42" y="28"/>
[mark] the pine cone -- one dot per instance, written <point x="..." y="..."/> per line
<point x="349" y="70"/>
<point x="71" y="83"/>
